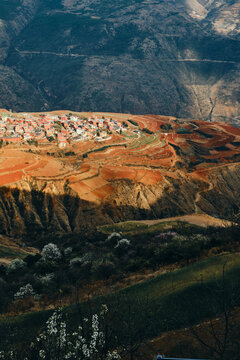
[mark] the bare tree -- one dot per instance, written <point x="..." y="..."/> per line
<point x="134" y="322"/>
<point x="220" y="336"/>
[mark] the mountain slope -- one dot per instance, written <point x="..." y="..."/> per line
<point x="168" y="57"/>
<point x="193" y="169"/>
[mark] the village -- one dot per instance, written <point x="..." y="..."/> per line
<point x="64" y="129"/>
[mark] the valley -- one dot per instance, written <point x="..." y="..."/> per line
<point x="120" y="222"/>
<point x="136" y="212"/>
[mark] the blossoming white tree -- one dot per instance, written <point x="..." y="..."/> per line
<point x="24" y="291"/>
<point x="56" y="342"/>
<point x="51" y="252"/>
<point x="16" y="265"/>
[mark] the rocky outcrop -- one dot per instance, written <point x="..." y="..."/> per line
<point x="31" y="208"/>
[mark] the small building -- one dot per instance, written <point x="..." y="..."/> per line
<point x="62" y="144"/>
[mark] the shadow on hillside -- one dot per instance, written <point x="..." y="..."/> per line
<point x="32" y="213"/>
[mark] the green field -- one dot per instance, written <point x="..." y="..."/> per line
<point x="124" y="227"/>
<point x="168" y="301"/>
<point x="143" y="140"/>
<point x="133" y="227"/>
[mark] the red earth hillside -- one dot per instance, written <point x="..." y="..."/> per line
<point x="151" y="149"/>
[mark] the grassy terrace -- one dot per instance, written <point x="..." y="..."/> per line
<point x="132" y="136"/>
<point x="168" y="301"/>
<point x="143" y="140"/>
<point x="135" y="226"/>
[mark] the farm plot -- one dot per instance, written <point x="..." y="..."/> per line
<point x="139" y="157"/>
<point x="89" y="173"/>
<point x="52" y="168"/>
<point x="94" y="192"/>
<point x="11" y="178"/>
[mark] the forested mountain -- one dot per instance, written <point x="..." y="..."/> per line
<point x="173" y="57"/>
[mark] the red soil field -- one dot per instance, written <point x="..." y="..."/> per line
<point x="146" y="159"/>
<point x="80" y="188"/>
<point x="11" y="178"/>
<point x="38" y="165"/>
<point x="103" y="191"/>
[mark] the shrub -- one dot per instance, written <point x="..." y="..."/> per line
<point x="103" y="269"/>
<point x="68" y="251"/>
<point x="77" y="261"/>
<point x="51" y="252"/>
<point x="56" y="341"/>
<point x="114" y="234"/>
<point x="86" y="269"/>
<point x="2" y="270"/>
<point x="4" y="300"/>
<point x="16" y="265"/>
<point x="201" y="239"/>
<point x="134" y="264"/>
<point x="24" y="291"/>
<point x="166" y="127"/>
<point x="147" y="131"/>
<point x="113" y="238"/>
<point x="181" y="248"/>
<point x="133" y="122"/>
<point x="123" y="243"/>
<point x="166" y="236"/>
<point x="43" y="266"/>
<point x="50" y="138"/>
<point x="183" y="131"/>
<point x="32" y="259"/>
<point x="70" y="153"/>
<point x="46" y="279"/>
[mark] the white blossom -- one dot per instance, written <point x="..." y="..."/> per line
<point x="46" y="279"/>
<point x="24" y="291"/>
<point x="123" y="243"/>
<point x="51" y="252"/>
<point x="68" y="251"/>
<point x="42" y="354"/>
<point x="15" y="265"/>
<point x="114" y="234"/>
<point x="57" y="342"/>
<point x="77" y="261"/>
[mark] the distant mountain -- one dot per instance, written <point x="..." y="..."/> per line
<point x="171" y="57"/>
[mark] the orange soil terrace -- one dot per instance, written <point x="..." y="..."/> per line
<point x="92" y="169"/>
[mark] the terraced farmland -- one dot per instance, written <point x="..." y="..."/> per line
<point x="169" y="171"/>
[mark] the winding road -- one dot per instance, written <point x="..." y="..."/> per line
<point x="26" y="52"/>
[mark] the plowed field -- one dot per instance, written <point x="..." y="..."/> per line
<point x="151" y="150"/>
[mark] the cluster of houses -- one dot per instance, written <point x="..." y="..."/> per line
<point x="62" y="128"/>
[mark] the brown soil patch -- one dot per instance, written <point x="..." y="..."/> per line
<point x="16" y="245"/>
<point x="95" y="182"/>
<point x="80" y="188"/>
<point x="11" y="178"/>
<point x="103" y="191"/>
